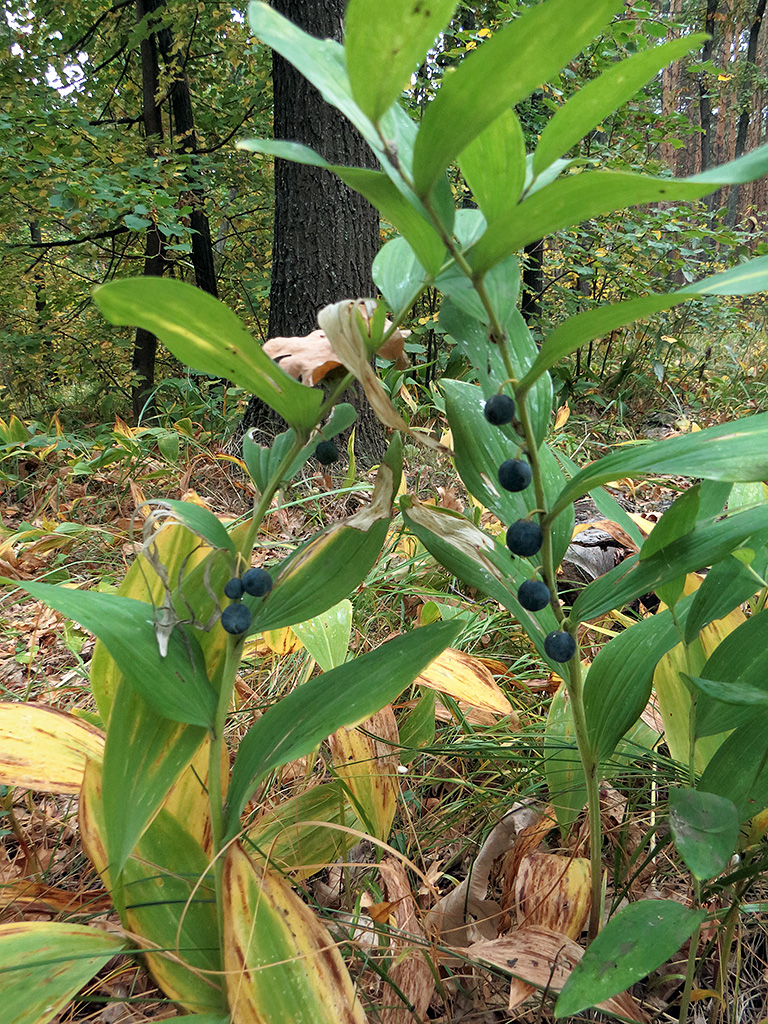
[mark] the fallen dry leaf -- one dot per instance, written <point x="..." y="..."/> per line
<point x="411" y="972"/>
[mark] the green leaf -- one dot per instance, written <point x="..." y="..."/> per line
<point x="738" y="770"/>
<point x="602" y="96"/>
<point x="705" y="828"/>
<point x="679" y="519"/>
<point x="493" y="165"/>
<point x="203" y="333"/>
<point x="705" y="545"/>
<point x="329" y="566"/>
<point x="578" y="330"/>
<point x="727" y="585"/>
<point x="740" y="660"/>
<point x="326" y="636"/>
<point x="572" y="200"/>
<point x="480" y="449"/>
<point x="402" y="31"/>
<point x="635" y="941"/>
<point x="746" y="278"/>
<point x="403" y="211"/>
<point x="199" y="520"/>
<point x="499" y="74"/>
<point x="562" y="764"/>
<point x="170" y="901"/>
<point x="143" y="756"/>
<point x="417" y="730"/>
<point x="44" y="964"/>
<point x="731" y="451"/>
<point x="347" y="695"/>
<point x="176" y="685"/>
<point x="399" y="276"/>
<point x="740" y="694"/>
<point x="481" y="562"/>
<point x="620" y="678"/>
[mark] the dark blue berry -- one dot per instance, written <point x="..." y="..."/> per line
<point x="326" y="453"/>
<point x="236" y="618"/>
<point x="257" y="582"/>
<point x="514" y="475"/>
<point x="534" y="595"/>
<point x="500" y="409"/>
<point x="234" y="589"/>
<point x="559" y="645"/>
<point x="524" y="538"/>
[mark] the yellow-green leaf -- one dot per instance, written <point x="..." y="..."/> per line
<point x="282" y="966"/>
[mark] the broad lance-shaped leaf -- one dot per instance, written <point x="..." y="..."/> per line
<point x="399" y="276"/>
<point x="578" y="197"/>
<point x="705" y="545"/>
<point x="44" y="964"/>
<point x="493" y="165"/>
<point x="476" y="559"/>
<point x="206" y="335"/>
<point x="479" y="451"/>
<point x="403" y="212"/>
<point x="730" y="451"/>
<point x="738" y="770"/>
<point x="727" y="585"/>
<point x="280" y="962"/>
<point x="602" y="96"/>
<point x="498" y="75"/>
<point x="328" y="567"/>
<point x="740" y="661"/>
<point x="620" y="678"/>
<point x="635" y="942"/>
<point x="45" y="749"/>
<point x="705" y="828"/>
<point x="176" y="685"/>
<point x="199" y="520"/>
<point x="745" y="279"/>
<point x="346" y="696"/>
<point x="143" y="757"/>
<point x="165" y="897"/>
<point x="407" y="30"/>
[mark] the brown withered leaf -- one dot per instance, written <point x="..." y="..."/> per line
<point x="411" y="971"/>
<point x="309" y="358"/>
<point x="543" y="959"/>
<point x="553" y="892"/>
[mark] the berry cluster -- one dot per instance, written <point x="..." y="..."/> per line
<point x="236" y="617"/>
<point x="525" y="538"/>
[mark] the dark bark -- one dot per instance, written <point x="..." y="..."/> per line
<point x="742" y="125"/>
<point x="186" y="142"/>
<point x="145" y="344"/>
<point x="705" y="107"/>
<point x="325" y="235"/>
<point x="533" y="282"/>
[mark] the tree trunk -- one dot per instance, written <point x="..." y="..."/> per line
<point x="533" y="282"/>
<point x="145" y="344"/>
<point x="745" y="111"/>
<point x="186" y="142"/>
<point x="325" y="235"/>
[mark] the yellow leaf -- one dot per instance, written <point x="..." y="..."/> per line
<point x="466" y="678"/>
<point x="282" y="641"/>
<point x="45" y="749"/>
<point x="562" y="416"/>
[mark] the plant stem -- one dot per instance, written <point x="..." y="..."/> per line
<point x="690" y="966"/>
<point x="573" y="682"/>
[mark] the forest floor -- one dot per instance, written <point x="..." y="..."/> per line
<point x="79" y="528"/>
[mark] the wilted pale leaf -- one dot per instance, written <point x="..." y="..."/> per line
<point x="554" y="892"/>
<point x="466" y="678"/>
<point x="281" y="964"/>
<point x="45" y="749"/>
